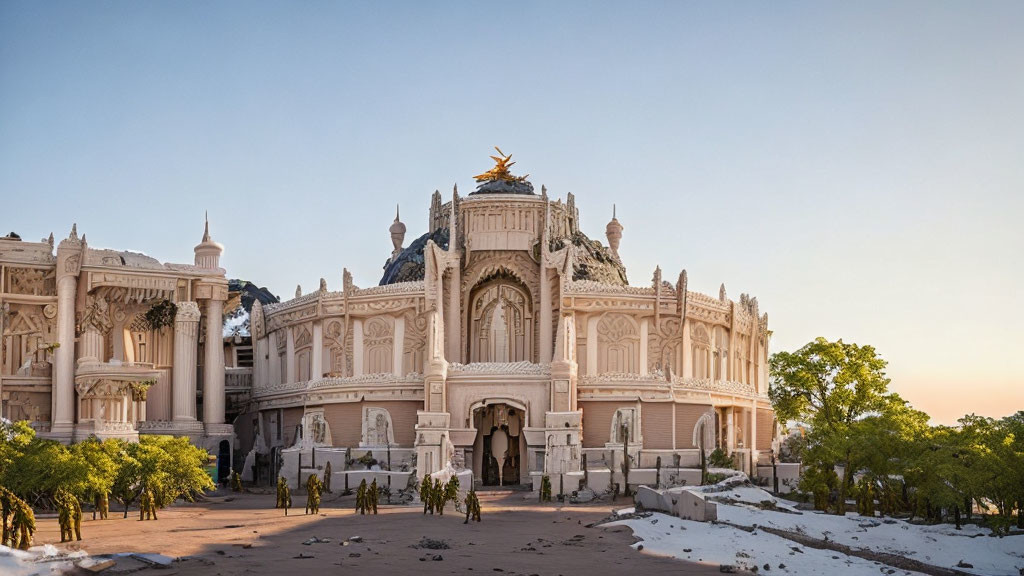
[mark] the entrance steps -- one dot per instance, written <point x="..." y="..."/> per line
<point x="503" y="490"/>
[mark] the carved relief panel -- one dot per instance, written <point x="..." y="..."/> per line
<point x="28" y="334"/>
<point x="378" y="342"/>
<point x="414" y="345"/>
<point x="31" y="282"/>
<point x="618" y="344"/>
<point x="501" y="322"/>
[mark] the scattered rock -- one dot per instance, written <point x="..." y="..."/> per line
<point x="962" y="564"/>
<point x="437" y="558"/>
<point x="302" y="557"/>
<point x="431" y="544"/>
<point x="728" y="569"/>
<point x="354" y="555"/>
<point x="356" y="539"/>
<point x="640" y="547"/>
<point x="767" y="567"/>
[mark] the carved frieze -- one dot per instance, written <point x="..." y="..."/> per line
<point x="31" y="281"/>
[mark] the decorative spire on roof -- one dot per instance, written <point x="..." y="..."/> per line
<point x="614" y="233"/>
<point x="397" y="231"/>
<point x="721" y="293"/>
<point x="208" y="252"/>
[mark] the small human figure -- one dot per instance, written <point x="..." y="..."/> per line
<point x="374" y="495"/>
<point x="472" y="507"/>
<point x="147" y="505"/>
<point x="64" y="513"/>
<point x="425" y="494"/>
<point x="313" y="487"/>
<point x="102" y="505"/>
<point x="76" y="516"/>
<point x="281" y="485"/>
<point x="236" y="481"/>
<point x="438" y="496"/>
<point x="362" y="497"/>
<point x="451" y="491"/>
<point x="286" y="495"/>
<point x="24" y="525"/>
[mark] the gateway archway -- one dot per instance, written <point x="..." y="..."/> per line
<point x="500" y="445"/>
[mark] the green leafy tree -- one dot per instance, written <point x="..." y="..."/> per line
<point x="101" y="468"/>
<point x="831" y="386"/>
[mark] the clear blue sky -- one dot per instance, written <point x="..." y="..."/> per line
<point x="858" y="166"/>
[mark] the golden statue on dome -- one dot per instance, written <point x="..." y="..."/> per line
<point x="500" y="171"/>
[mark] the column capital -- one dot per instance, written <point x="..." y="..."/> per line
<point x="187" y="312"/>
<point x="205" y="290"/>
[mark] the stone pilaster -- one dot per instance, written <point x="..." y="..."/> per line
<point x="289" y="355"/>
<point x="186" y="341"/>
<point x="213" y="376"/>
<point x="317" y="355"/>
<point x="453" y="338"/>
<point x="546" y="347"/>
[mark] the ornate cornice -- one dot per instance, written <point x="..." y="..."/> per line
<point x="509" y="368"/>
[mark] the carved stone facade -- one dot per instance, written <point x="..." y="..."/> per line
<point x="503" y="306"/>
<point x="105" y="343"/>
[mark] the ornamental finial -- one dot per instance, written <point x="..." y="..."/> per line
<point x="500" y="172"/>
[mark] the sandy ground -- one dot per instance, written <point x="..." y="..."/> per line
<point x="234" y="534"/>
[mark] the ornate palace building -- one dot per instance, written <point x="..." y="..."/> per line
<point x="112" y="344"/>
<point x="506" y="342"/>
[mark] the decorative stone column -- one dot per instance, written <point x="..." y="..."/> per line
<point x="213" y="377"/>
<point x="90" y="346"/>
<point x="64" y="356"/>
<point x="186" y="342"/>
<point x="69" y="258"/>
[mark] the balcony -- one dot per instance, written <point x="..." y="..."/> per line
<point x="238" y="379"/>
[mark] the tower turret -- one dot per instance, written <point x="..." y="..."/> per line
<point x="397" y="230"/>
<point x="208" y="252"/>
<point x="614" y="233"/>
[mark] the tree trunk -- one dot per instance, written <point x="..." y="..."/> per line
<point x="844" y="487"/>
<point x="956" y="516"/>
<point x="967" y="507"/>
<point x="1020" y="513"/>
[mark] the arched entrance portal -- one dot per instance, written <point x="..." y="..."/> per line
<point x="500" y="445"/>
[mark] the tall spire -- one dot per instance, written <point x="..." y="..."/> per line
<point x="207" y="251"/>
<point x="397" y="231"/>
<point x="614" y="233"/>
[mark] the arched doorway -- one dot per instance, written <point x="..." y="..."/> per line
<point x="500" y="320"/>
<point x="499" y="447"/>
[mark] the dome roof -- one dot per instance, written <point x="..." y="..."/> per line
<point x="504" y="187"/>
